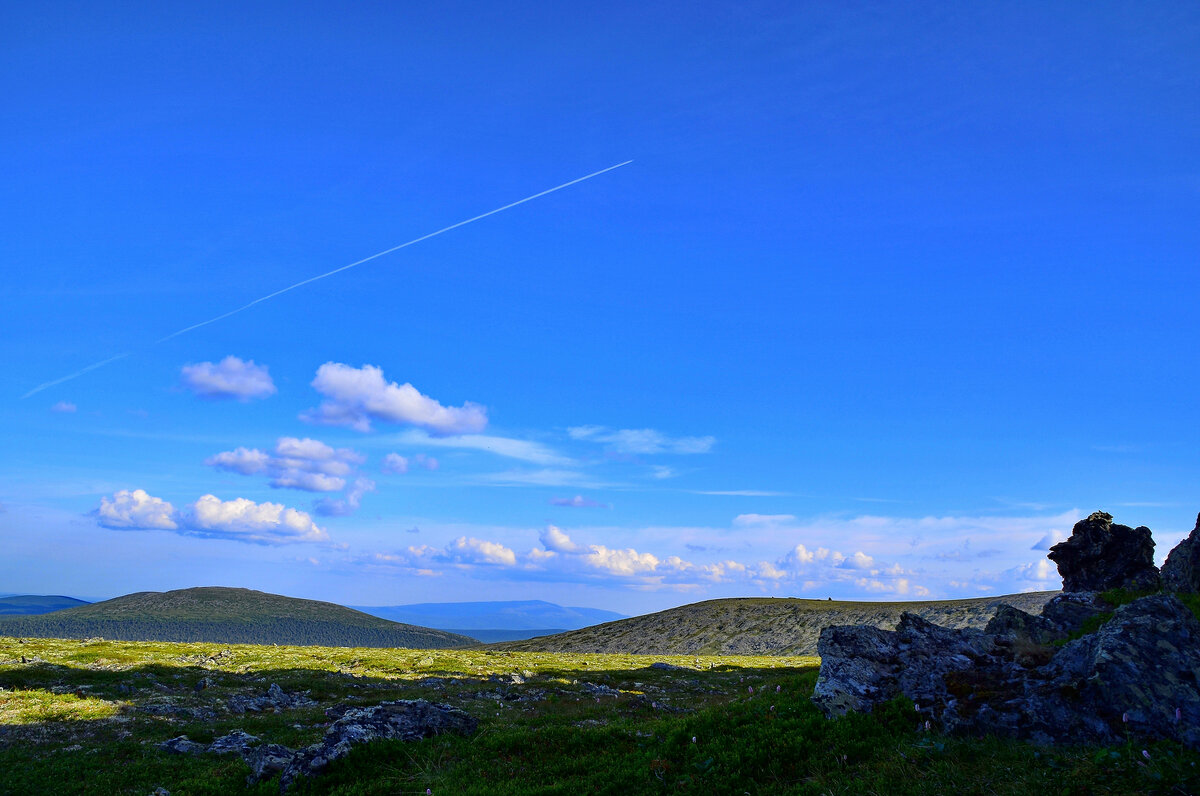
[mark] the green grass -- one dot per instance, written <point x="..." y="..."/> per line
<point x="74" y="719"/>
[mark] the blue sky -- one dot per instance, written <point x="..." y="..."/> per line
<point x="889" y="296"/>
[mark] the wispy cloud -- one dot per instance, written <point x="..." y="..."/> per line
<point x="641" y="440"/>
<point x="578" y="502"/>
<point x="356" y="396"/>
<point x="230" y="378"/>
<point x="240" y="519"/>
<point x="543" y="477"/>
<point x="64" y="407"/>
<point x="739" y="492"/>
<point x="762" y="519"/>
<point x="522" y="450"/>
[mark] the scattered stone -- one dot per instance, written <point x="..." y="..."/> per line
<point x="598" y="689"/>
<point x="1181" y="570"/>
<point x="275" y="700"/>
<point x="1100" y="556"/>
<point x="171" y="709"/>
<point x="405" y="720"/>
<point x="161" y="792"/>
<point x="235" y="742"/>
<point x="182" y="745"/>
<point x="507" y="679"/>
<point x="667" y="667"/>
<point x="205" y="682"/>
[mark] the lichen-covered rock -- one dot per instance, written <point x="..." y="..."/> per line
<point x="404" y="720"/>
<point x="1070" y="610"/>
<point x="1100" y="556"/>
<point x="182" y="745"/>
<point x="860" y="665"/>
<point x="275" y="700"/>
<point x="1181" y="570"/>
<point x="1142" y="665"/>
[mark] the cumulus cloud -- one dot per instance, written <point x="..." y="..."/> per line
<point x="65" y="407"/>
<point x="553" y="538"/>
<point x="239" y="519"/>
<point x="621" y="562"/>
<point x="578" y="502"/>
<point x="136" y="510"/>
<point x="463" y="552"/>
<point x="395" y="464"/>
<point x="1045" y="543"/>
<point x="328" y="507"/>
<point x="246" y="521"/>
<point x="356" y="396"/>
<point x="641" y="440"/>
<point x="246" y="461"/>
<point x="305" y="464"/>
<point x="229" y="378"/>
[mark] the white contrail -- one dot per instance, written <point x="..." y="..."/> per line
<point x="187" y="329"/>
<point x="76" y="374"/>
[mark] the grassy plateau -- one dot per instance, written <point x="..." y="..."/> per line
<point x="85" y="717"/>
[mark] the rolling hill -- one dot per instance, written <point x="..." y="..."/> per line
<point x="230" y="616"/>
<point x="26" y="604"/>
<point x="762" y="625"/>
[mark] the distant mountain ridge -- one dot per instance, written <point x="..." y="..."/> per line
<point x="763" y="625"/>
<point x="227" y="615"/>
<point x="30" y="604"/>
<point x="511" y="615"/>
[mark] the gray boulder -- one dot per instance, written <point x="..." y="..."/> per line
<point x="403" y="720"/>
<point x="1070" y="610"/>
<point x="1100" y="556"/>
<point x="1181" y="570"/>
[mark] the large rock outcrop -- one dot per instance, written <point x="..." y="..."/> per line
<point x="1181" y="570"/>
<point x="1020" y="677"/>
<point x="1100" y="556"/>
<point x="1130" y="676"/>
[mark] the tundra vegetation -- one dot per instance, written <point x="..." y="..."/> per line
<point x="88" y="717"/>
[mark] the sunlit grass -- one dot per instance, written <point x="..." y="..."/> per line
<point x="36" y="705"/>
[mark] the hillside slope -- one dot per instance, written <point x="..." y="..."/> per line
<point x="229" y="616"/>
<point x="762" y="625"/>
<point x="26" y="604"/>
<point x="496" y="615"/>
